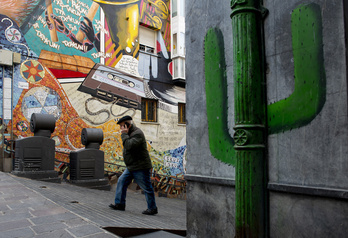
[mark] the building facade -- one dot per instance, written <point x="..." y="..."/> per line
<point x="89" y="63"/>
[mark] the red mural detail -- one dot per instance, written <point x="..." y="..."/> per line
<point x="60" y="73"/>
<point x="170" y="68"/>
<point x="158" y="46"/>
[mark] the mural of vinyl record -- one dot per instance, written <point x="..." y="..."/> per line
<point x="41" y="100"/>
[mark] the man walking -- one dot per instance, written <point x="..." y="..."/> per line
<point x="138" y="165"/>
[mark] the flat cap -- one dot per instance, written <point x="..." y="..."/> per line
<point x="125" y="118"/>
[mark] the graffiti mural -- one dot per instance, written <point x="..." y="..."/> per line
<point x="299" y="109"/>
<point x="220" y="142"/>
<point x="78" y="41"/>
<point x="308" y="98"/>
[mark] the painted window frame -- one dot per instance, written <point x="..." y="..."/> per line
<point x="147" y="40"/>
<point x="178" y="68"/>
<point x="181" y="113"/>
<point x="149" y="108"/>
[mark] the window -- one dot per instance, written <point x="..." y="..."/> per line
<point x="178" y="8"/>
<point x="175" y="43"/>
<point x="182" y="8"/>
<point x="147" y="40"/>
<point x="174" y="8"/>
<point x="148" y="110"/>
<point x="146" y="49"/>
<point x="178" y="44"/>
<point x="179" y="68"/>
<point x="181" y="113"/>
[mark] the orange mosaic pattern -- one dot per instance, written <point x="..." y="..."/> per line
<point x="68" y="126"/>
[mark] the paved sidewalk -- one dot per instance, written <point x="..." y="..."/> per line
<point x="26" y="213"/>
<point x="30" y="208"/>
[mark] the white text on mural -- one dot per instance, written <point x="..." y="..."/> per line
<point x="46" y="41"/>
<point x="171" y="162"/>
<point x="74" y="45"/>
<point x="75" y="8"/>
<point x="101" y="55"/>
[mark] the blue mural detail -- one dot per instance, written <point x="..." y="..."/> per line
<point x="43" y="111"/>
<point x="31" y="102"/>
<point x="51" y="100"/>
<point x="67" y="24"/>
<point x="174" y="160"/>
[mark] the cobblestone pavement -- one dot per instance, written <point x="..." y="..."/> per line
<point x="30" y="208"/>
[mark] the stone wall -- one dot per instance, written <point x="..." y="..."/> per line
<point x="210" y="185"/>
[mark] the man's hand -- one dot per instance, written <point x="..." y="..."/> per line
<point x="124" y="129"/>
<point x="57" y="22"/>
<point x="87" y="28"/>
<point x="48" y="22"/>
<point x="60" y="26"/>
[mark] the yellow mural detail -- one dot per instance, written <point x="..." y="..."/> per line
<point x="155" y="20"/>
<point x="114" y="54"/>
<point x="136" y="51"/>
<point x="117" y="60"/>
<point x="118" y="3"/>
<point x="123" y="20"/>
<point x="109" y="50"/>
<point x="160" y="8"/>
<point x="128" y="33"/>
<point x="161" y="12"/>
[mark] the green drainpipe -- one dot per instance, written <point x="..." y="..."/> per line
<point x="250" y="118"/>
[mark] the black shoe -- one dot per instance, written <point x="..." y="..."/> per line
<point x="120" y="207"/>
<point x="150" y="211"/>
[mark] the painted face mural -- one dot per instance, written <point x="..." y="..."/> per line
<point x="61" y="42"/>
<point x="123" y="22"/>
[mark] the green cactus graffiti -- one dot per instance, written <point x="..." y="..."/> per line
<point x="220" y="142"/>
<point x="309" y="95"/>
<point x="299" y="109"/>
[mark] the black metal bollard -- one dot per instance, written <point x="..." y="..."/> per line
<point x="34" y="156"/>
<point x="42" y="124"/>
<point x="92" y="137"/>
<point x="87" y="165"/>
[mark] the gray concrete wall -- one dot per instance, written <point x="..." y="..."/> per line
<point x="307" y="158"/>
<point x="294" y="215"/>
<point x="210" y="210"/>
<point x="314" y="154"/>
<point x="310" y="159"/>
<point x="210" y="190"/>
<point x="201" y="16"/>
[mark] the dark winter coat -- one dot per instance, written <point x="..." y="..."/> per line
<point x="135" y="153"/>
